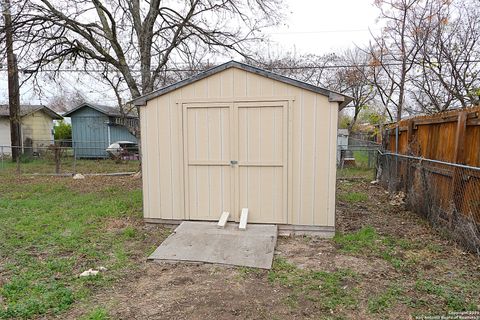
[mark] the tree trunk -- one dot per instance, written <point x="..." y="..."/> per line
<point x="13" y="86"/>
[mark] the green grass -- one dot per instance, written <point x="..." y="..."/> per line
<point x="367" y="241"/>
<point x="454" y="294"/>
<point x="353" y="197"/>
<point x="329" y="290"/>
<point x="247" y="271"/>
<point x="361" y="158"/>
<point x="356" y="173"/>
<point x="451" y="296"/>
<point x="49" y="234"/>
<point x="385" y="300"/>
<point x="428" y="286"/>
<point x="96" y="314"/>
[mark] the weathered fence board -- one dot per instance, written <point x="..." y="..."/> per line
<point x="452" y="136"/>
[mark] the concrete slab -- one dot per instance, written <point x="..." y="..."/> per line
<point x="204" y="242"/>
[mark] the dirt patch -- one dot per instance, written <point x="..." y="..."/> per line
<point x="320" y="254"/>
<point x="159" y="291"/>
<point x="90" y="184"/>
<point x="101" y="183"/>
<point x="122" y="223"/>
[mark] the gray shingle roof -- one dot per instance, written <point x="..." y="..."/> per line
<point x="26" y="109"/>
<point x="107" y="110"/>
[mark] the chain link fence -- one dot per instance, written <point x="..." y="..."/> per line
<point x="358" y="153"/>
<point x="65" y="158"/>
<point x="356" y="158"/>
<point x="447" y="194"/>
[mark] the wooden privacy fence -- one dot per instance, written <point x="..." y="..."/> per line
<point x="436" y="162"/>
<point x="452" y="136"/>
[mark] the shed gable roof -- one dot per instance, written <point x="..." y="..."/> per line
<point x="26" y="109"/>
<point x="106" y="110"/>
<point x="332" y="95"/>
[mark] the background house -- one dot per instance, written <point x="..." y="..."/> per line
<point x="36" y="127"/>
<point x="95" y="127"/>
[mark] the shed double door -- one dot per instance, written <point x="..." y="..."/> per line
<point x="235" y="157"/>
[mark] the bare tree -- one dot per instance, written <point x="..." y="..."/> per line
<point x="65" y="100"/>
<point x="353" y="79"/>
<point x="449" y="62"/>
<point x="427" y="55"/>
<point x="347" y="72"/>
<point x="393" y="53"/>
<point x="136" y="38"/>
<point x="308" y="68"/>
<point x="13" y="85"/>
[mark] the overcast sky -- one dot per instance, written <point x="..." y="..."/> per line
<point x="311" y="26"/>
<point x="323" y="26"/>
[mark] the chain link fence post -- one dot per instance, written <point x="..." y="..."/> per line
<point x="74" y="159"/>
<point x="19" y="154"/>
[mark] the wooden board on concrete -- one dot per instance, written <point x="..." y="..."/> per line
<point x="223" y="219"/>
<point x="243" y="219"/>
<point x="205" y="242"/>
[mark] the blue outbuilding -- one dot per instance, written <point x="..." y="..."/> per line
<point x="95" y="127"/>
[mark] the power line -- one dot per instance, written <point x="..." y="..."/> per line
<point x="351" y="65"/>
<point x="319" y="31"/>
<point x="267" y="67"/>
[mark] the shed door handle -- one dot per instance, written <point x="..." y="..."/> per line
<point x="233" y="162"/>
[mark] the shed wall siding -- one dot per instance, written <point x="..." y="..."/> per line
<point x="38" y="126"/>
<point x="90" y="133"/>
<point x="314" y="124"/>
<point x="121" y="133"/>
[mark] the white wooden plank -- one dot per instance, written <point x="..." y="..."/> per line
<point x="243" y="219"/>
<point x="223" y="219"/>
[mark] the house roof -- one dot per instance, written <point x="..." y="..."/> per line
<point x="107" y="110"/>
<point x="332" y="95"/>
<point x="26" y="109"/>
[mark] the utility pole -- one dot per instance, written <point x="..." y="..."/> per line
<point x="13" y="86"/>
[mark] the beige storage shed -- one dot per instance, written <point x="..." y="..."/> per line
<point x="236" y="136"/>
